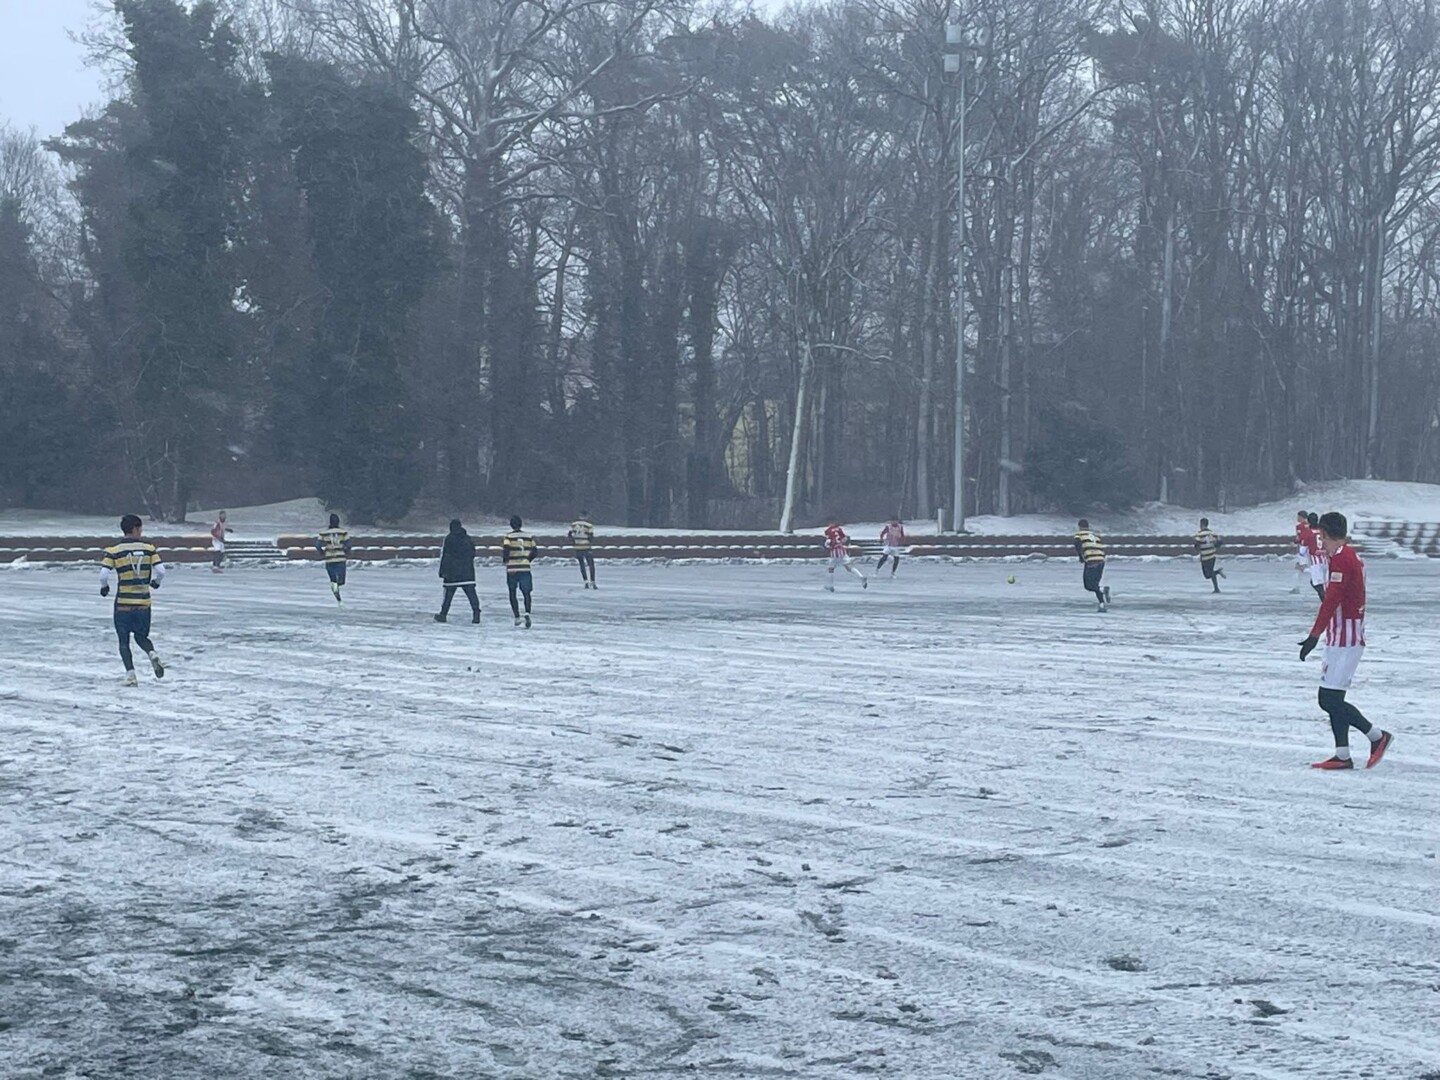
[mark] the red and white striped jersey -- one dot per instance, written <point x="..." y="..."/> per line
<point x="835" y="538"/>
<point x="893" y="535"/>
<point x="1342" y="611"/>
<point x="1318" y="556"/>
<point x="1305" y="539"/>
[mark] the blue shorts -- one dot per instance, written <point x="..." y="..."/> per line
<point x="336" y="570"/>
<point x="521" y="580"/>
<point x="132" y="620"/>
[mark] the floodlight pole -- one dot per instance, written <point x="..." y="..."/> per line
<point x="955" y="63"/>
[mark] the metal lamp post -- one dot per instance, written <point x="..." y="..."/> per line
<point x="954" y="64"/>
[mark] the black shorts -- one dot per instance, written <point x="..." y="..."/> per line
<point x="521" y="580"/>
<point x="336" y="570"/>
<point x="1207" y="567"/>
<point x="1093" y="570"/>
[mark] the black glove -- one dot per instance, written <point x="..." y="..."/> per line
<point x="154" y="585"/>
<point x="1308" y="646"/>
<point x="104" y="590"/>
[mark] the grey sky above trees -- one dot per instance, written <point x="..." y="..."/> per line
<point x="44" y="82"/>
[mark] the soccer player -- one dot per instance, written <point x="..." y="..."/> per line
<point x="1342" y="618"/>
<point x="835" y="544"/>
<point x="1207" y="543"/>
<point x="892" y="542"/>
<point x="1092" y="556"/>
<point x="516" y="551"/>
<point x="457" y="570"/>
<point x="1303" y="540"/>
<point x="1319" y="558"/>
<point x="133" y="568"/>
<point x="582" y="535"/>
<point x="334" y="544"/>
<point x="217" y="541"/>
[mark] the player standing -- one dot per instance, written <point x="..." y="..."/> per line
<point x="1207" y="543"/>
<point x="1303" y="541"/>
<point x="217" y="541"/>
<point x="836" y="544"/>
<point x="1319" y="557"/>
<point x="133" y="568"/>
<point x="892" y="542"/>
<point x="582" y="535"/>
<point x="457" y="570"/>
<point x="1342" y="618"/>
<point x="333" y="544"/>
<point x="516" y="551"/>
<point x="1092" y="556"/>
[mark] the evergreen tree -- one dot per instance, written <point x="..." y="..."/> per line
<point x="371" y="229"/>
<point x="160" y="180"/>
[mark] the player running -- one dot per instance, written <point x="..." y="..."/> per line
<point x="1092" y="556"/>
<point x="133" y="568"/>
<point x="516" y="551"/>
<point x="892" y="542"/>
<point x="836" y="544"/>
<point x="333" y="544"/>
<point x="582" y="535"/>
<point x="457" y="570"/>
<point x="217" y="541"/>
<point x="1207" y="543"/>
<point x="1342" y="618"/>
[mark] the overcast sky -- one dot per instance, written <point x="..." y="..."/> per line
<point x="44" y="83"/>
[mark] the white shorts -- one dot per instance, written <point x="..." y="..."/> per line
<point x="1318" y="572"/>
<point x="1339" y="666"/>
<point x="891" y="549"/>
<point x="217" y="545"/>
<point x="839" y="558"/>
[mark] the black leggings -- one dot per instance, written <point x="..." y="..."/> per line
<point x="587" y="564"/>
<point x="514" y="582"/>
<point x="133" y="621"/>
<point x="469" y="591"/>
<point x="1343" y="715"/>
<point x="881" y="564"/>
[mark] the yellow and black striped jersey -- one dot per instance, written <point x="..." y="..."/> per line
<point x="1207" y="543"/>
<point x="133" y="566"/>
<point x="1088" y="547"/>
<point x="581" y="533"/>
<point x="334" y="544"/>
<point x="517" y="549"/>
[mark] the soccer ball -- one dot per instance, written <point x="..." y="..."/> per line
<point x="1010" y="580"/>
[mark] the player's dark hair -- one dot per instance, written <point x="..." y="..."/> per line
<point x="1304" y="514"/>
<point x="1334" y="525"/>
<point x="1204" y="523"/>
<point x="1313" y="520"/>
<point x="515" y="522"/>
<point x="334" y="521"/>
<point x="1082" y="524"/>
<point x="129" y="523"/>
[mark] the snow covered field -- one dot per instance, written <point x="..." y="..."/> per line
<point x="711" y="821"/>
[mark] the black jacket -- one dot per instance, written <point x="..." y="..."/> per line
<point x="457" y="559"/>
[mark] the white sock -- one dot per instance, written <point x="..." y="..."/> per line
<point x="1343" y="753"/>
<point x="1374" y="735"/>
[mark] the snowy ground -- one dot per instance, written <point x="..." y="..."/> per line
<point x="1358" y="499"/>
<point x="711" y="821"/>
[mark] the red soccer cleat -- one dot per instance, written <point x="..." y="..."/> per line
<point x="1334" y="763"/>
<point x="1378" y="748"/>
